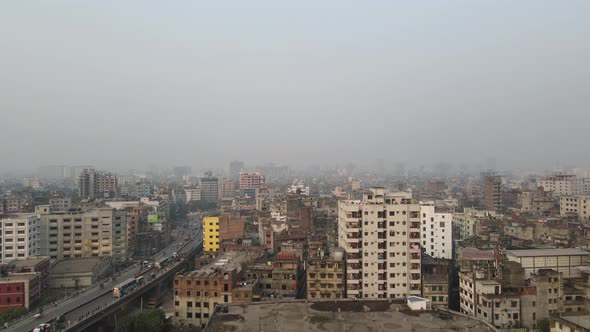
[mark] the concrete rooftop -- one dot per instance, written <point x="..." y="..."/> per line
<point x="358" y="316"/>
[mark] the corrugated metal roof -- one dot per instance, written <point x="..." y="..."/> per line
<point x="547" y="252"/>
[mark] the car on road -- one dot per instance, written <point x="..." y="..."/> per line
<point x="37" y="316"/>
<point x="43" y="328"/>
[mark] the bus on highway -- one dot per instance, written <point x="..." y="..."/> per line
<point x="139" y="281"/>
<point x="125" y="287"/>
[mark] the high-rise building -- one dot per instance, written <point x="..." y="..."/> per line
<point x="227" y="188"/>
<point x="95" y="185"/>
<point x="211" y="234"/>
<point x="93" y="233"/>
<point x="107" y="185"/>
<point x="437" y="232"/>
<point x="251" y="180"/>
<point x="192" y="194"/>
<point x="87" y="184"/>
<point x="143" y="188"/>
<point x="381" y="237"/>
<point x="18" y="237"/>
<point x="210" y="189"/>
<point x="235" y="168"/>
<point x="492" y="192"/>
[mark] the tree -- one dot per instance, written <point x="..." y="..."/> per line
<point x="151" y="320"/>
<point x="8" y="315"/>
<point x="544" y="325"/>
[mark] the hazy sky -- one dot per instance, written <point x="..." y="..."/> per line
<point x="132" y="83"/>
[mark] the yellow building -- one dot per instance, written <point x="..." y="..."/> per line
<point x="211" y="234"/>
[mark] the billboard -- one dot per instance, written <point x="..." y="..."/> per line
<point x="152" y="218"/>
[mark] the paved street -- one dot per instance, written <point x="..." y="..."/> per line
<point x="90" y="300"/>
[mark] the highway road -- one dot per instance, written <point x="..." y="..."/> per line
<point x="86" y="303"/>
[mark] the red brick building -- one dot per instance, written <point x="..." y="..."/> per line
<point x="231" y="228"/>
<point x="19" y="291"/>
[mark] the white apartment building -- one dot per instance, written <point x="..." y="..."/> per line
<point x="93" y="233"/>
<point x="578" y="205"/>
<point x="381" y="237"/>
<point x="561" y="184"/>
<point x="18" y="237"/>
<point x="437" y="232"/>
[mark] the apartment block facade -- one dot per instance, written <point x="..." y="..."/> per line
<point x="437" y="232"/>
<point x="211" y="234"/>
<point x="381" y="237"/>
<point x="93" y="233"/>
<point x="575" y="205"/>
<point x="565" y="184"/>
<point x="197" y="293"/>
<point x="93" y="184"/>
<point x="492" y="192"/>
<point x="325" y="277"/>
<point x="18" y="237"/>
<point x="209" y="189"/>
<point x="251" y="180"/>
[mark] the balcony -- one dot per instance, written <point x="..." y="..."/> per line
<point x="350" y="226"/>
<point x="415" y="248"/>
<point x="355" y="235"/>
<point x="354" y="266"/>
<point x="350" y="256"/>
<point x="356" y="245"/>
<point x="353" y="287"/>
<point x="415" y="225"/>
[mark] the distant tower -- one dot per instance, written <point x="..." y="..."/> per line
<point x="235" y="167"/>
